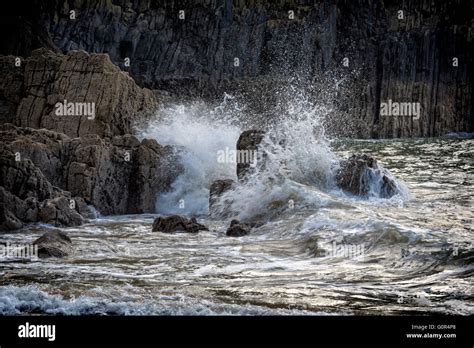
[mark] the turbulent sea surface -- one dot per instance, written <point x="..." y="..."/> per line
<point x="410" y="254"/>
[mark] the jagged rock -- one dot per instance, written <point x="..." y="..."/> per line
<point x="216" y="190"/>
<point x="176" y="223"/>
<point x="58" y="211"/>
<point x="119" y="176"/>
<point x="249" y="141"/>
<point x="238" y="229"/>
<point x="54" y="244"/>
<point x="8" y="220"/>
<point x="26" y="196"/>
<point x="77" y="77"/>
<point x="357" y="174"/>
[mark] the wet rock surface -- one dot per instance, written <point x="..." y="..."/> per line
<point x="408" y="59"/>
<point x="361" y="173"/>
<point x="176" y="223"/>
<point x="42" y="171"/>
<point x="54" y="244"/>
<point x="248" y="144"/>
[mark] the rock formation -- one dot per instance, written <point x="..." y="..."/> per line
<point x="216" y="190"/>
<point x="248" y="142"/>
<point x="237" y="229"/>
<point x="116" y="176"/>
<point x="27" y="196"/>
<point x="33" y="93"/>
<point x="360" y="174"/>
<point x="56" y="175"/>
<point x="176" y="223"/>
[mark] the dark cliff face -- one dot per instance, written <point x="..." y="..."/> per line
<point x="405" y="60"/>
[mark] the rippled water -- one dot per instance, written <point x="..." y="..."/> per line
<point x="417" y="254"/>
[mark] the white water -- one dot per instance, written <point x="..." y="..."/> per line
<point x="198" y="135"/>
<point x="300" y="165"/>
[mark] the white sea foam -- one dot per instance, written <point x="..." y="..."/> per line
<point x="299" y="162"/>
<point x="30" y="299"/>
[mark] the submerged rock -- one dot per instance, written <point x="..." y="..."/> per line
<point x="54" y="244"/>
<point x="58" y="211"/>
<point x="176" y="223"/>
<point x="360" y="174"/>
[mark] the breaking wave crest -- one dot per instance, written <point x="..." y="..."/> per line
<point x="299" y="168"/>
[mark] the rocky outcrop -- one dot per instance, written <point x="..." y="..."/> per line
<point x="117" y="176"/>
<point x="248" y="143"/>
<point x="216" y="190"/>
<point x="54" y="244"/>
<point x="27" y="196"/>
<point x="75" y="94"/>
<point x="176" y="223"/>
<point x="238" y="228"/>
<point x="361" y="175"/>
<point x="405" y="56"/>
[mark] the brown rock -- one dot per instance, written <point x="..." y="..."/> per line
<point x="238" y="229"/>
<point x="54" y="244"/>
<point x="216" y="190"/>
<point x="116" y="179"/>
<point x="49" y="78"/>
<point x="60" y="211"/>
<point x="357" y="174"/>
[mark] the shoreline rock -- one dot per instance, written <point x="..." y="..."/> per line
<point x="176" y="223"/>
<point x="249" y="142"/>
<point x="47" y="78"/>
<point x="117" y="176"/>
<point x="239" y="229"/>
<point x="357" y="174"/>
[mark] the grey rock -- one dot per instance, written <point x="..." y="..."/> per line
<point x="115" y="179"/>
<point x="237" y="229"/>
<point x="58" y="211"/>
<point x="54" y="244"/>
<point x="405" y="60"/>
<point x="359" y="172"/>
